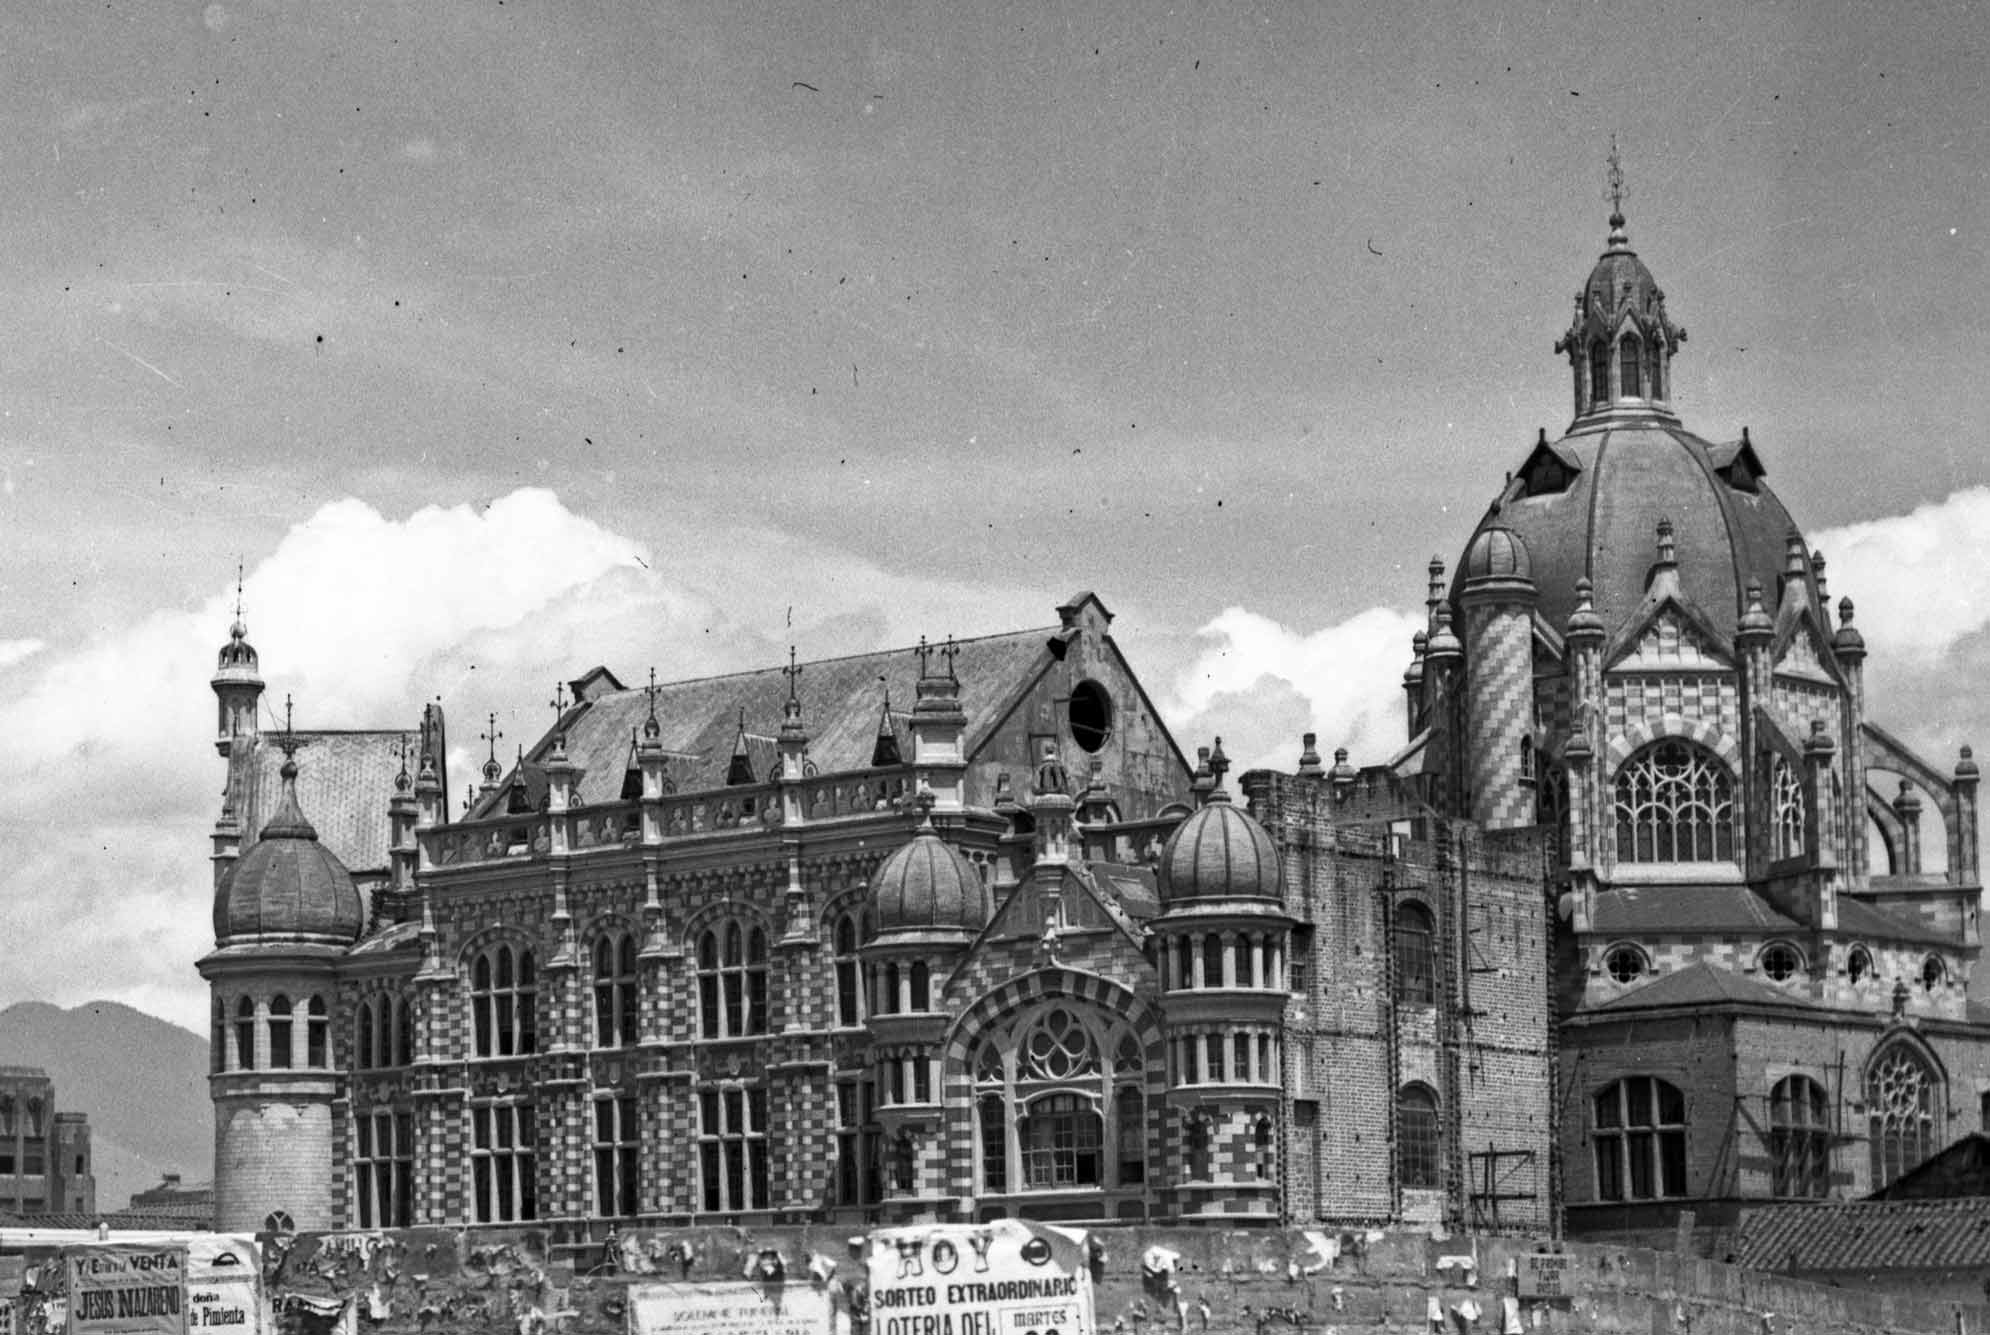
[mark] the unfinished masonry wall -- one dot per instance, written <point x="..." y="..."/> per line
<point x="1234" y="1282"/>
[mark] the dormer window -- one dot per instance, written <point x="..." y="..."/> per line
<point x="1630" y="356"/>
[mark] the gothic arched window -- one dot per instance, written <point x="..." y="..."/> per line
<point x="1055" y="1114"/>
<point x="732" y="981"/>
<point x="1551" y="799"/>
<point x="279" y="1032"/>
<point x="1800" y="1137"/>
<point x="1416" y="971"/>
<point x="1788" y="804"/>
<point x="1599" y="373"/>
<point x="1657" y="390"/>
<point x="1630" y="356"/>
<point x="1417" y="1160"/>
<point x="845" y="937"/>
<point x="1639" y="1134"/>
<point x="363" y="1054"/>
<point x="1903" y="1096"/>
<point x="1674" y="803"/>
<point x="615" y="990"/>
<point x="503" y="996"/>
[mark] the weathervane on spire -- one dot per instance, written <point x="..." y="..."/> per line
<point x="289" y="737"/>
<point x="792" y="672"/>
<point x="492" y="770"/>
<point x="238" y="590"/>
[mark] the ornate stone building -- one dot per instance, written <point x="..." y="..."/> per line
<point x="1768" y="904"/>
<point x="776" y="946"/>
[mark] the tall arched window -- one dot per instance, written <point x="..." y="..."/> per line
<point x="404" y="1032"/>
<point x="615" y="990"/>
<point x="1800" y="1137"/>
<point x="1788" y="804"/>
<point x="1674" y="803"/>
<point x="1599" y="373"/>
<point x="1264" y="1144"/>
<point x="317" y="1037"/>
<point x="1639" y="1133"/>
<point x="1195" y="1141"/>
<point x="922" y="986"/>
<point x="845" y="938"/>
<point x="363" y="1054"/>
<point x="245" y="1035"/>
<point x="503" y="993"/>
<point x="1551" y="808"/>
<point x="1658" y="368"/>
<point x="1630" y="357"/>
<point x="1416" y="961"/>
<point x="1418" y="1163"/>
<point x="1056" y="1114"/>
<point x="1903" y="1098"/>
<point x="279" y="1032"/>
<point x="732" y="981"/>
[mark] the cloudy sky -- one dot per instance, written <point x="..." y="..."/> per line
<point x="501" y="338"/>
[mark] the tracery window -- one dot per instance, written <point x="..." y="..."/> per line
<point x="1903" y="1095"/>
<point x="503" y="1163"/>
<point x="1630" y="356"/>
<point x="1800" y="1137"/>
<point x="1639" y="1134"/>
<point x="1417" y="1160"/>
<point x="615" y="1012"/>
<point x="1674" y="803"/>
<point x="732" y="981"/>
<point x="1788" y="804"/>
<point x="503" y="996"/>
<point x="1054" y="1112"/>
<point x="1416" y="971"/>
<point x="1779" y="961"/>
<point x="1625" y="964"/>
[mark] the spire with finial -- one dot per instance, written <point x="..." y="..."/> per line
<point x="404" y="781"/>
<point x="1618" y="239"/>
<point x="739" y="770"/>
<point x="558" y="704"/>
<point x="884" y="750"/>
<point x="1620" y="342"/>
<point x="791" y="711"/>
<point x="237" y="684"/>
<point x="651" y="728"/>
<point x="492" y="770"/>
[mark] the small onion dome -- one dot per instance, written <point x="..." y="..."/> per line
<point x="1847" y="643"/>
<point x="1497" y="562"/>
<point x="927" y="889"/>
<point x="237" y="657"/>
<point x="1755" y="623"/>
<point x="1219" y="853"/>
<point x="1444" y="643"/>
<point x="288" y="886"/>
<point x="1583" y="623"/>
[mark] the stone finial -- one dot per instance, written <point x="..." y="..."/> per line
<point x="1309" y="756"/>
<point x="1668" y="552"/>
<point x="1965" y="766"/>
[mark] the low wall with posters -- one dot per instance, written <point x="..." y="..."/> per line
<point x="1136" y="1281"/>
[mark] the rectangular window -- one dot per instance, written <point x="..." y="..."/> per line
<point x="732" y="1149"/>
<point x="502" y="1163"/>
<point x="383" y="1169"/>
<point x="856" y="1147"/>
<point x="1639" y="1135"/>
<point x="617" y="1157"/>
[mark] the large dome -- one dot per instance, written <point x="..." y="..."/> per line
<point x="288" y="886"/>
<point x="928" y="887"/>
<point x="1219" y="853"/>
<point x="1590" y="503"/>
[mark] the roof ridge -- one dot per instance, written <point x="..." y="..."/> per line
<point x="813" y="662"/>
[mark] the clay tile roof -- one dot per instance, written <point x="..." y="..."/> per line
<point x="1867" y="1235"/>
<point x="1702" y="985"/>
<point x="841" y="699"/>
<point x="344" y="781"/>
<point x="1629" y="910"/>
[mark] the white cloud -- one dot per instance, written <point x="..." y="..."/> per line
<point x="1260" y="685"/>
<point x="1916" y="579"/>
<point x="16" y="651"/>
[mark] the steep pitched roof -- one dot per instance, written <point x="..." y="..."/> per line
<point x="344" y="781"/>
<point x="1866" y="1235"/>
<point x="1702" y="985"/>
<point x="841" y="699"/>
<point x="1858" y="918"/>
<point x="1632" y="909"/>
<point x="1961" y="1170"/>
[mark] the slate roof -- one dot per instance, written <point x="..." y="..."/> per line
<point x="1702" y="985"/>
<point x="1858" y="918"/>
<point x="344" y="780"/>
<point x="1633" y="909"/>
<point x="1963" y="1169"/>
<point x="842" y="700"/>
<point x="1866" y="1235"/>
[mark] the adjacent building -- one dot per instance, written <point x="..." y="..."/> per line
<point x="44" y="1153"/>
